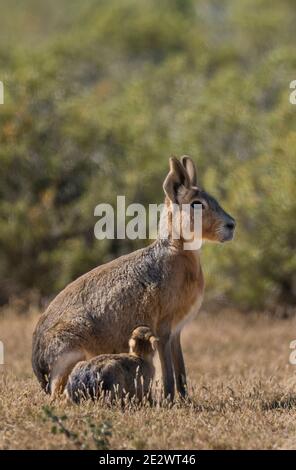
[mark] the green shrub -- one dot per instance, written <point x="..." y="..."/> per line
<point x="95" y="109"/>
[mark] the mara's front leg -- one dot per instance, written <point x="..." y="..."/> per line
<point x="165" y="356"/>
<point x="179" y="366"/>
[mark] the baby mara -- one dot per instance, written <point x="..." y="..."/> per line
<point x="117" y="376"/>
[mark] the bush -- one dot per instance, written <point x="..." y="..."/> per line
<point x="96" y="108"/>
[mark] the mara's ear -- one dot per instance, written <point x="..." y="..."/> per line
<point x="190" y="167"/>
<point x="176" y="178"/>
<point x="154" y="340"/>
<point x="132" y="344"/>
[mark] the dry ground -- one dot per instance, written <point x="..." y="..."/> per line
<point x="243" y="393"/>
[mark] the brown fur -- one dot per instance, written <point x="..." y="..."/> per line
<point x="160" y="286"/>
<point x="117" y="376"/>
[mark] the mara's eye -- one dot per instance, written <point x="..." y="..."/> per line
<point x="195" y="203"/>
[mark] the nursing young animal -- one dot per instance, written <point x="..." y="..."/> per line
<point x="160" y="286"/>
<point x="117" y="376"/>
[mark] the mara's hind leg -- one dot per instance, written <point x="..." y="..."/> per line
<point x="61" y="370"/>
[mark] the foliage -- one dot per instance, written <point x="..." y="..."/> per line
<point x="98" y="435"/>
<point x="96" y="108"/>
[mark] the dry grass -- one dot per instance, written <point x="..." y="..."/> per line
<point x="242" y="388"/>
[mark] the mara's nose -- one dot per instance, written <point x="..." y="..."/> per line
<point x="230" y="225"/>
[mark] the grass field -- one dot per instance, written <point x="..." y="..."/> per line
<point x="242" y="386"/>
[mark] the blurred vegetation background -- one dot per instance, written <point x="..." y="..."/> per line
<point x="98" y="95"/>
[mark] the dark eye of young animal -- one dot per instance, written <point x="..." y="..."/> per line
<point x="198" y="202"/>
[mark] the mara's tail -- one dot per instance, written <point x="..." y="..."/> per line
<point x="53" y="365"/>
<point x="40" y="366"/>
